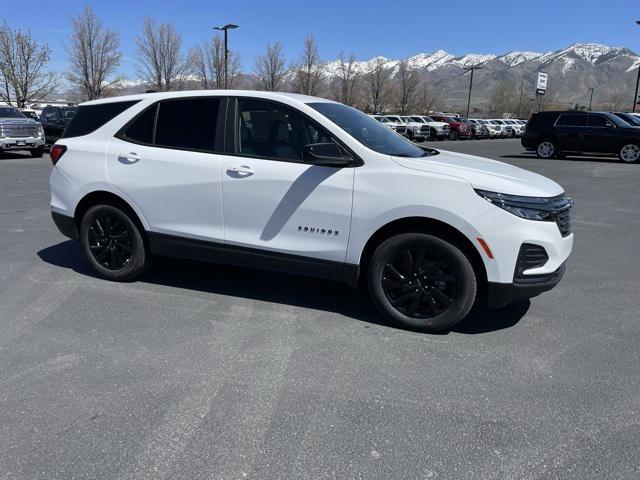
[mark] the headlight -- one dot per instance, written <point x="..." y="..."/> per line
<point x="530" y="208"/>
<point x="40" y="130"/>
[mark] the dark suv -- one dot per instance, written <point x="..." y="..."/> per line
<point x="55" y="120"/>
<point x="555" y="134"/>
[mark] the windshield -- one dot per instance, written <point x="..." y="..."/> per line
<point x="9" y="112"/>
<point x="453" y="119"/>
<point x="418" y="119"/>
<point x="367" y="131"/>
<point x="394" y="119"/>
<point x="428" y="119"/>
<point x="630" y="119"/>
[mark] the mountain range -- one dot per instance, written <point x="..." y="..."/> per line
<point x="573" y="71"/>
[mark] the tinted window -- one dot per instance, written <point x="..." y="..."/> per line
<point x="270" y="130"/>
<point x="573" y="120"/>
<point x="598" y="121"/>
<point x="367" y="131"/>
<point x="9" y="112"/>
<point x="91" y="117"/>
<point x="49" y="114"/>
<point x="188" y="123"/>
<point x="141" y="128"/>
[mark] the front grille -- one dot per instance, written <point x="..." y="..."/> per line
<point x="19" y="130"/>
<point x="425" y="130"/>
<point x="446" y="128"/>
<point x="401" y="129"/>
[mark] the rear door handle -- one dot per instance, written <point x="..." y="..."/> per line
<point x="129" y="158"/>
<point x="241" y="170"/>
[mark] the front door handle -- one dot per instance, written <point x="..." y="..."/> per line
<point x="129" y="157"/>
<point x="241" y="170"/>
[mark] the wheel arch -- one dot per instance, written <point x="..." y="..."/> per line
<point x="430" y="226"/>
<point x="99" y="197"/>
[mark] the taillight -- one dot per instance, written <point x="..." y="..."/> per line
<point x="56" y="152"/>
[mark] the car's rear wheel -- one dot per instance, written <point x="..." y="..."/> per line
<point x="546" y="149"/>
<point x="421" y="282"/>
<point x="629" y="153"/>
<point x="113" y="243"/>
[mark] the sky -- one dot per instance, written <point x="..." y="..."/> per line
<point x="365" y="27"/>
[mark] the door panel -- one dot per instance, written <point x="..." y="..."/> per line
<point x="177" y="191"/>
<point x="287" y="207"/>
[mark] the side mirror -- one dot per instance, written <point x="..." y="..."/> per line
<point x="609" y="125"/>
<point x="326" y="154"/>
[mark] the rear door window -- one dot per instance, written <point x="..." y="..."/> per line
<point x="141" y="129"/>
<point x="187" y="124"/>
<point x="89" y="118"/>
<point x="572" y="120"/>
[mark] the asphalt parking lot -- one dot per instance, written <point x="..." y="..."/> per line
<point x="202" y="371"/>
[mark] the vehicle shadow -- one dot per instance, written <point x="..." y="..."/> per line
<point x="273" y="287"/>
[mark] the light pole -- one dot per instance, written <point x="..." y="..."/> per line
<point x="226" y="28"/>
<point x="475" y="67"/>
<point x="635" y="97"/>
<point x="591" y="98"/>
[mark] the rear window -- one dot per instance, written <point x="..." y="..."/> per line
<point x="89" y="118"/>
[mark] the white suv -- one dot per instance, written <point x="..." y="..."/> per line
<point x="308" y="186"/>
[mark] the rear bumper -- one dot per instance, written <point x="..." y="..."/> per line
<point x="27" y="143"/>
<point x="65" y="224"/>
<point x="501" y="294"/>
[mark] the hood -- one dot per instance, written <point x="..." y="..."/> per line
<point x="437" y="124"/>
<point x="485" y="174"/>
<point x="18" y="121"/>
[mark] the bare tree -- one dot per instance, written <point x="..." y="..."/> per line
<point x="160" y="58"/>
<point x="426" y="97"/>
<point x="378" y="82"/>
<point x="617" y="101"/>
<point x="346" y="82"/>
<point x="270" y="68"/>
<point x="22" y="62"/>
<point x="408" y="81"/>
<point x="94" y="54"/>
<point x="504" y="99"/>
<point x="309" y="71"/>
<point x="207" y="62"/>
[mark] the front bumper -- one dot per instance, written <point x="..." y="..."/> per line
<point x="27" y="143"/>
<point x="501" y="294"/>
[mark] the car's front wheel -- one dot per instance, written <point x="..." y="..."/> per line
<point x="37" y="152"/>
<point x="629" y="153"/>
<point x="421" y="282"/>
<point x="546" y="149"/>
<point x="453" y="135"/>
<point x="113" y="243"/>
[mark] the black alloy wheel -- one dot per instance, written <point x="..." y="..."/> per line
<point x="110" y="242"/>
<point x="418" y="283"/>
<point x="421" y="282"/>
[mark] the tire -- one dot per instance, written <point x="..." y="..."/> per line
<point x="434" y="303"/>
<point x="113" y="243"/>
<point x="37" y="152"/>
<point x="453" y="135"/>
<point x="546" y="149"/>
<point x="629" y="153"/>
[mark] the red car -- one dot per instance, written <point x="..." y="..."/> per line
<point x="458" y="129"/>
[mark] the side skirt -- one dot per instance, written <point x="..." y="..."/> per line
<point x="207" y="251"/>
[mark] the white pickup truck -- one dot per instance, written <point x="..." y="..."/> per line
<point x="17" y="132"/>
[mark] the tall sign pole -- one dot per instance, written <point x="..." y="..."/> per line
<point x="541" y="87"/>
<point x="476" y="67"/>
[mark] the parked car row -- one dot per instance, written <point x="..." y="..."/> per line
<point x="556" y="134"/>
<point x="24" y="130"/>
<point x="450" y="126"/>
